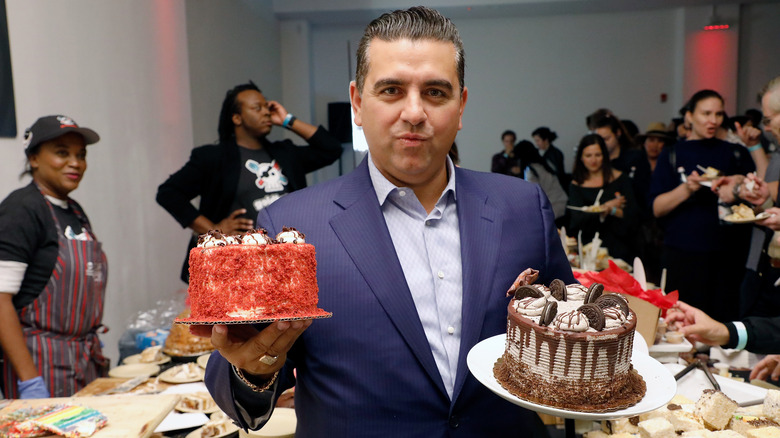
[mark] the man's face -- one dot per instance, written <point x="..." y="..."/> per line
<point x="410" y="108"/>
<point x="771" y="118"/>
<point x="254" y="116"/>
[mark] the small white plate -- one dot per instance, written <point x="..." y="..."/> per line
<point x="660" y="383"/>
<point x="136" y="358"/>
<point x="231" y="428"/>
<point x="169" y="375"/>
<point x="211" y="405"/>
<point x="595" y="209"/>
<point x="134" y="370"/>
<point x="203" y="360"/>
<point x="759" y="217"/>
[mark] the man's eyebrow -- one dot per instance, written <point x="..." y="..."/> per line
<point x="440" y="83"/>
<point x="387" y="82"/>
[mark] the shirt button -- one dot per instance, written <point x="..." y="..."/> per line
<point x="451" y="330"/>
<point x="428" y="222"/>
<point x="440" y="274"/>
<point x="401" y="193"/>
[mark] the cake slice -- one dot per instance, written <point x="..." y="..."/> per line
<point x="744" y="423"/>
<point x="703" y="433"/>
<point x="656" y="428"/>
<point x="715" y="409"/>
<point x="772" y="404"/>
<point x="621" y="425"/>
<point x="764" y="432"/>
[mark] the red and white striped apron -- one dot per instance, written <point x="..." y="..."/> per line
<point x="61" y="325"/>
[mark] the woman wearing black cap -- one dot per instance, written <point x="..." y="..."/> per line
<point x="52" y="270"/>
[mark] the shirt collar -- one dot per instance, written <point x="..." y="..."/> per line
<point x="383" y="187"/>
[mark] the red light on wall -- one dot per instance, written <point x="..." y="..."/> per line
<point x="716" y="27"/>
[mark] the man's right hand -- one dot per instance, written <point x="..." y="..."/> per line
<point x="244" y="346"/>
<point x="234" y="224"/>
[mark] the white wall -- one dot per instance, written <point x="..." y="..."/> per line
<point x="118" y="67"/>
<point x="523" y="73"/>
<point x="759" y="47"/>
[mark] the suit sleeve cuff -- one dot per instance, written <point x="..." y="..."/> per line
<point x="255" y="408"/>
<point x="738" y="336"/>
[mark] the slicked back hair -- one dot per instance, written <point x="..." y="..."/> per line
<point x="230" y="106"/>
<point x="416" y="23"/>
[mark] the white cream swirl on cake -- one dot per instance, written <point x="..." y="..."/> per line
<point x="575" y="353"/>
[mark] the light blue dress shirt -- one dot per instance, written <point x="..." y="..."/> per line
<point x="428" y="247"/>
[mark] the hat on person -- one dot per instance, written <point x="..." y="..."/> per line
<point x="50" y="127"/>
<point x="655" y="129"/>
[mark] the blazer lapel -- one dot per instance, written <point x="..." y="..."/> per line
<point x="378" y="262"/>
<point x="479" y="232"/>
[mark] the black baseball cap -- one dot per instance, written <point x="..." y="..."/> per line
<point x="50" y="127"/>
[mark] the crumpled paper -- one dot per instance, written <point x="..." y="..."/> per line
<point x="615" y="279"/>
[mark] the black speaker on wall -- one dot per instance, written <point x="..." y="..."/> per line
<point x="340" y="121"/>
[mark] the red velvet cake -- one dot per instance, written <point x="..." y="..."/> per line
<point x="253" y="277"/>
<point x="570" y="347"/>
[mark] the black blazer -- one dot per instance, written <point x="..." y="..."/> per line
<point x="213" y="170"/>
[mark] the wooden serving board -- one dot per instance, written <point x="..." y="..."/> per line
<point x="128" y="415"/>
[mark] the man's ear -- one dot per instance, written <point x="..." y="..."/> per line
<point x="357" y="102"/>
<point x="237" y="119"/>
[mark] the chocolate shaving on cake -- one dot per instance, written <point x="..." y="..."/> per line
<point x="594" y="314"/>
<point x="634" y="420"/>
<point x="613" y="300"/>
<point x="673" y="407"/>
<point x="548" y="314"/>
<point x="558" y="289"/>
<point x="527" y="291"/>
<point x="594" y="291"/>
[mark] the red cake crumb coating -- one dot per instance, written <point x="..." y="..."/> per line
<point x="257" y="281"/>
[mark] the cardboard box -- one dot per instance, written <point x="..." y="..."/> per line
<point x="646" y="317"/>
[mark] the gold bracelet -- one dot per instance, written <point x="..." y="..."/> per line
<point x="251" y="385"/>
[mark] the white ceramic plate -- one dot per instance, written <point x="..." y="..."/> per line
<point x="203" y="360"/>
<point x="169" y="375"/>
<point x="759" y="217"/>
<point x="211" y="405"/>
<point x="134" y="370"/>
<point x="136" y="358"/>
<point x="587" y="209"/>
<point x="231" y="428"/>
<point x="661" y="386"/>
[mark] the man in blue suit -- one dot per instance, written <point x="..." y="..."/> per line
<point x="414" y="259"/>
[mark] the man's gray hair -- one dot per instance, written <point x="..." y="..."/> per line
<point x="416" y="23"/>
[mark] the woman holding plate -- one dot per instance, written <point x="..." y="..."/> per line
<point x="704" y="257"/>
<point x="601" y="200"/>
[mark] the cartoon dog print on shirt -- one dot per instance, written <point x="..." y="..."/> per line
<point x="269" y="175"/>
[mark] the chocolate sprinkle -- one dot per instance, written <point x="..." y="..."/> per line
<point x="548" y="314"/>
<point x="594" y="291"/>
<point x="634" y="420"/>
<point x="594" y="314"/>
<point x="613" y="300"/>
<point x="558" y="289"/>
<point x="527" y="291"/>
<point x="673" y="407"/>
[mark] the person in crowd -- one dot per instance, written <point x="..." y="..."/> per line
<point x="631" y="130"/>
<point x="653" y="141"/>
<point x="755" y="116"/>
<point x="680" y="129"/>
<point x="624" y="156"/>
<point x="544" y="138"/>
<point x="759" y="291"/>
<point x="595" y="181"/>
<point x="245" y="171"/>
<point x="53" y="270"/>
<point x="392" y="359"/>
<point x="756" y="334"/>
<point x="734" y="130"/>
<point x="506" y="162"/>
<point x="704" y="258"/>
<point x="536" y="170"/>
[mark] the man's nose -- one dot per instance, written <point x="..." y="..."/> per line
<point x="413" y="111"/>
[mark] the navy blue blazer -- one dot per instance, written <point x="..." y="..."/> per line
<point x="368" y="371"/>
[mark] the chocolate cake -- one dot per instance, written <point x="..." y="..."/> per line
<point x="569" y="347"/>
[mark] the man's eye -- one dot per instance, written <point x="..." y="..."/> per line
<point x="390" y="91"/>
<point x="436" y="93"/>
